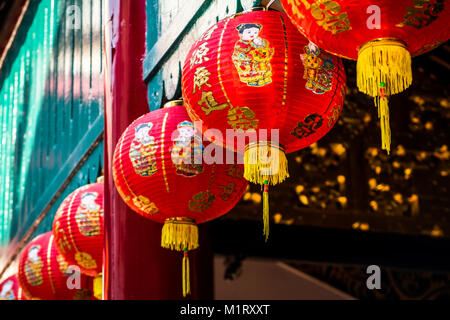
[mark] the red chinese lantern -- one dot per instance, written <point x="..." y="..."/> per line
<point x="254" y="74"/>
<point x="10" y="289"/>
<point x="44" y="274"/>
<point x="159" y="172"/>
<point x="78" y="231"/>
<point x="382" y="35"/>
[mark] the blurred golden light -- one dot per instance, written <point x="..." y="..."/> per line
<point x="277" y="217"/>
<point x="304" y="200"/>
<point x="372" y="183"/>
<point x="400" y="150"/>
<point x="374" y="205"/>
<point x="341" y="179"/>
<point x="299" y="189"/>
<point x="247" y="196"/>
<point x="256" y="197"/>
<point x="398" y="197"/>
<point x="342" y="200"/>
<point x="337" y="148"/>
<point x="364" y="226"/>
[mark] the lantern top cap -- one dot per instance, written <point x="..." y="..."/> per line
<point x="255" y="8"/>
<point x="101" y="178"/>
<point x="173" y="103"/>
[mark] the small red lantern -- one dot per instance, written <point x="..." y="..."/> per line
<point x="255" y="74"/>
<point x="78" y="230"/>
<point x="10" y="289"/>
<point x="44" y="274"/>
<point x="381" y="34"/>
<point x="157" y="174"/>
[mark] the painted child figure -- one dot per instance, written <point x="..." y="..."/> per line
<point x="142" y="151"/>
<point x="186" y="150"/>
<point x="7" y="292"/>
<point x="318" y="69"/>
<point x="33" y="267"/>
<point x="88" y="215"/>
<point x="252" y="56"/>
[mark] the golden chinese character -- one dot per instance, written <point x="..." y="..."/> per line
<point x="227" y="191"/>
<point x="328" y="15"/>
<point x="85" y="260"/>
<point x="242" y="118"/>
<point x="422" y="14"/>
<point x="201" y="201"/>
<point x="201" y="77"/>
<point x="62" y="238"/>
<point x="208" y="34"/>
<point x="235" y="171"/>
<point x="145" y="205"/>
<point x="211" y="103"/>
<point x="200" y="54"/>
<point x="334" y="116"/>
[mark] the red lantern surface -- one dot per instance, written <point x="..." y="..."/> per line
<point x="78" y="228"/>
<point x="381" y="34"/>
<point x="254" y="72"/>
<point x="44" y="274"/>
<point x="157" y="175"/>
<point x="10" y="289"/>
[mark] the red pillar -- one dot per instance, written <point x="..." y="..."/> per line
<point x="136" y="267"/>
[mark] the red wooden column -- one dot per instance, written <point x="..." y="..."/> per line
<point x="136" y="267"/>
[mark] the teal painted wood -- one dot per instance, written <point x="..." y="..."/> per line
<point x="51" y="111"/>
<point x="172" y="28"/>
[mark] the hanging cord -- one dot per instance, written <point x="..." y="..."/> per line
<point x="266" y="210"/>
<point x="269" y="4"/>
<point x="186" y="274"/>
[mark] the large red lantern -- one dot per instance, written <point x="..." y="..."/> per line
<point x="253" y="74"/>
<point x="381" y="34"/>
<point x="44" y="274"/>
<point x="78" y="230"/>
<point x="159" y="172"/>
<point x="10" y="289"/>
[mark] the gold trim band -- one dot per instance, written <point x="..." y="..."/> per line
<point x="180" y="220"/>
<point x="382" y="42"/>
<point x="173" y="103"/>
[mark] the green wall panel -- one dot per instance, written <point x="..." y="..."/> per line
<point x="51" y="112"/>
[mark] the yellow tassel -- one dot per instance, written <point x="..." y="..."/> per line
<point x="264" y="161"/>
<point x="266" y="211"/>
<point x="383" y="69"/>
<point x="383" y="114"/>
<point x="179" y="233"/>
<point x="383" y="61"/>
<point x="186" y="275"/>
<point x="98" y="286"/>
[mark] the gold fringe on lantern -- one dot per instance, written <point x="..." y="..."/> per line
<point x="383" y="69"/>
<point x="179" y="233"/>
<point x="264" y="161"/>
<point x="98" y="286"/>
<point x="186" y="275"/>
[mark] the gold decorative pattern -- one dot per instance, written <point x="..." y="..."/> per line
<point x="422" y="14"/>
<point x="163" y="133"/>
<point x="327" y="13"/>
<point x="49" y="251"/>
<point x="85" y="260"/>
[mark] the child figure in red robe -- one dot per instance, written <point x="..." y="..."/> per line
<point x="252" y="56"/>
